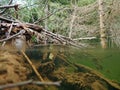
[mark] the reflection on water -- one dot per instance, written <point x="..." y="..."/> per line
<point x="105" y="61"/>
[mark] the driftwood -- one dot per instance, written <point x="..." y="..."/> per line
<point x="29" y="82"/>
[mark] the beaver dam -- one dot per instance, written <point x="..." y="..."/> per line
<point x="73" y="69"/>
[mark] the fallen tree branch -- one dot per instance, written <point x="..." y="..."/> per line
<point x="15" y="84"/>
<point x="86" y="38"/>
<point x="33" y="67"/>
<point x="8" y="33"/>
<point x="37" y="29"/>
<point x="29" y="82"/>
<point x="47" y="83"/>
<point x="9" y="6"/>
<point x="22" y="31"/>
<point x="7" y="20"/>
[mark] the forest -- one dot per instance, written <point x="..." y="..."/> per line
<point x="59" y="44"/>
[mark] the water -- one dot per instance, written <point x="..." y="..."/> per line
<point x="106" y="61"/>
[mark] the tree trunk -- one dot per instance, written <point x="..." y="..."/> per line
<point x="72" y="20"/>
<point x="46" y="21"/>
<point x="103" y="36"/>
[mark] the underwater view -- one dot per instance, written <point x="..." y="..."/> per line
<point x="103" y="61"/>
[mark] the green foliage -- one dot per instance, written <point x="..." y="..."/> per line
<point x="63" y="2"/>
<point x="4" y="2"/>
<point x="85" y="2"/>
<point x="33" y="39"/>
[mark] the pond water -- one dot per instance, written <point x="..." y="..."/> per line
<point x="105" y="61"/>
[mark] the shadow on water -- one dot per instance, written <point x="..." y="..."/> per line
<point x="104" y="61"/>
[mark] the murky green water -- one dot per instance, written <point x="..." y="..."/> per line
<point x="105" y="61"/>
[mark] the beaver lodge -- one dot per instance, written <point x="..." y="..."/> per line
<point x="34" y="58"/>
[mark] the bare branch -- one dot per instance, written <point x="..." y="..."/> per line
<point x="9" y="6"/>
<point x="47" y="83"/>
<point x="6" y="8"/>
<point x="86" y="38"/>
<point x="29" y="82"/>
<point x="8" y="33"/>
<point x="7" y="20"/>
<point x="15" y="84"/>
<point x="41" y="19"/>
<point x="22" y="31"/>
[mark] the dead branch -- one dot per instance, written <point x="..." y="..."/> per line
<point x="37" y="31"/>
<point x="2" y="12"/>
<point x="15" y="84"/>
<point x="29" y="82"/>
<point x="8" y="33"/>
<point x="9" y="6"/>
<point x="22" y="31"/>
<point x="33" y="67"/>
<point x="86" y="38"/>
<point x="7" y="20"/>
<point x="47" y="83"/>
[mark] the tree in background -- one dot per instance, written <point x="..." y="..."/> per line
<point x="75" y="20"/>
<point x="103" y="36"/>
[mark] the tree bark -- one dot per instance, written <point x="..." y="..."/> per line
<point x="72" y="21"/>
<point x="103" y="36"/>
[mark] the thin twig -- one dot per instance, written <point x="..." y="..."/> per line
<point x="15" y="84"/>
<point x="41" y="19"/>
<point x="29" y="82"/>
<point x="47" y="83"/>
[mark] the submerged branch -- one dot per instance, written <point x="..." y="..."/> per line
<point x="29" y="82"/>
